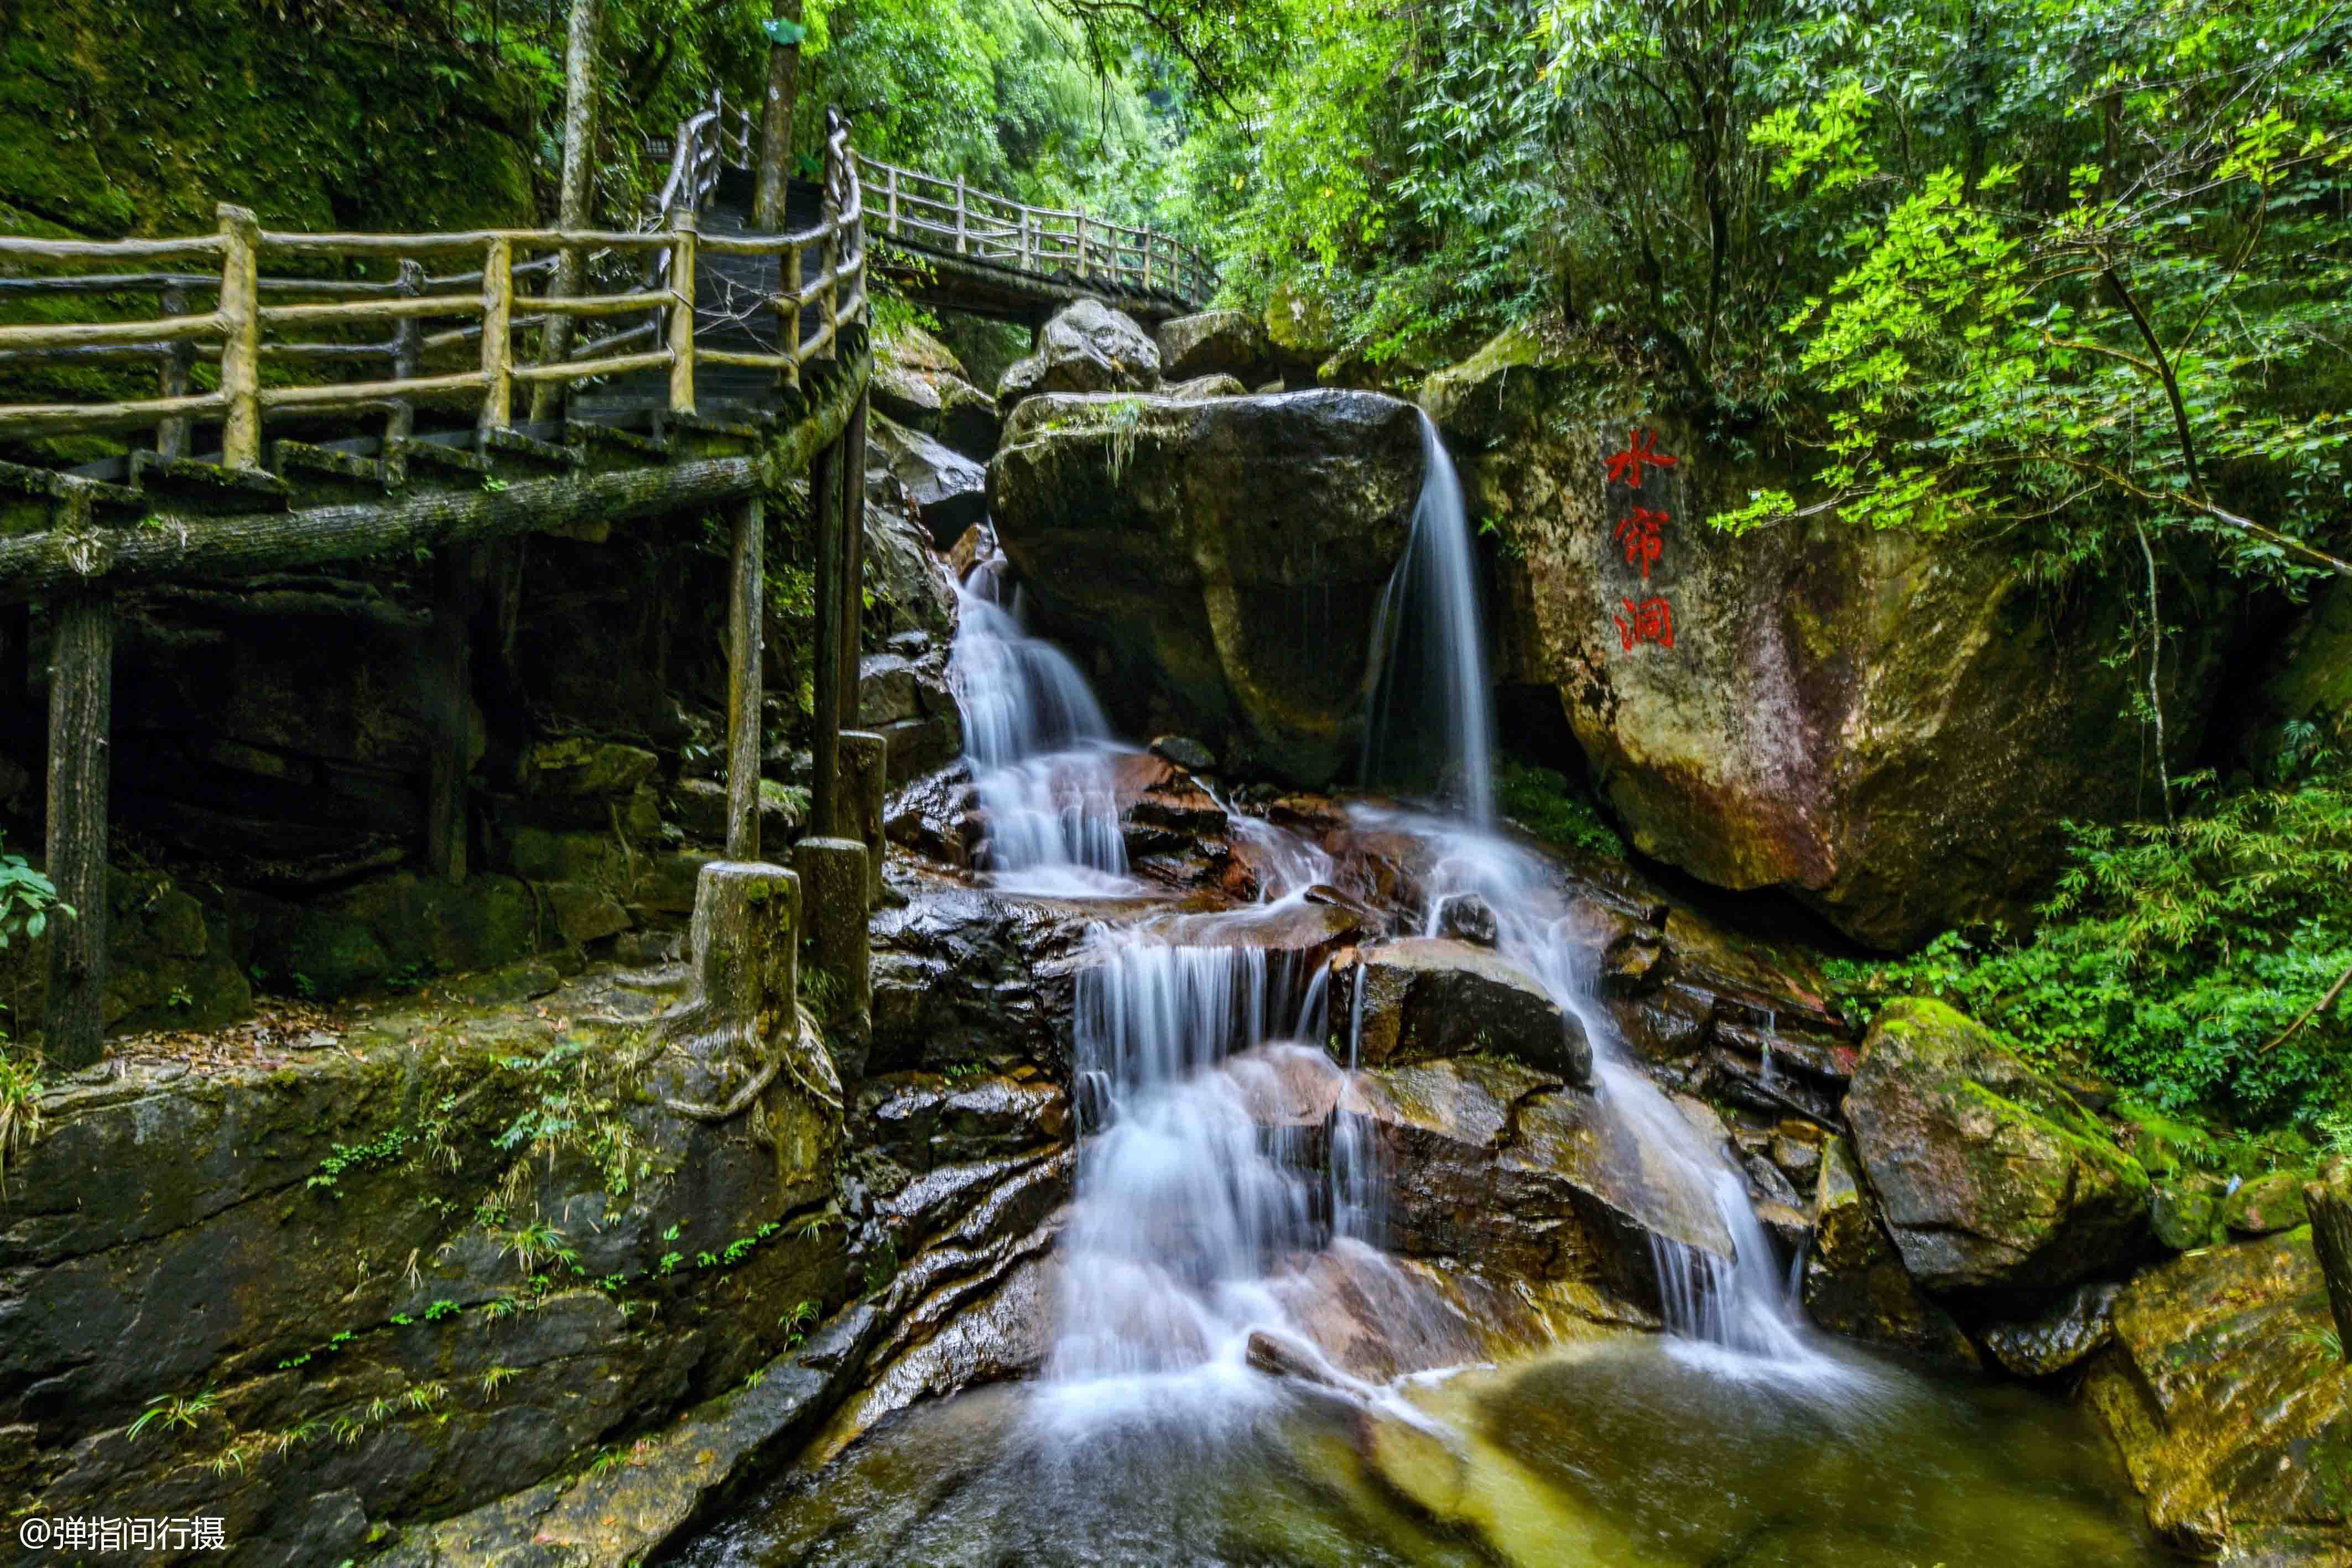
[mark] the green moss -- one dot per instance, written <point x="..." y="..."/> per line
<point x="1546" y="805"/>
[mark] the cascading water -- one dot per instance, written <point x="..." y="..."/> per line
<point x="1744" y="1306"/>
<point x="1184" y="1204"/>
<point x="1181" y="1207"/>
<point x="1432" y="680"/>
<point x="1041" y="752"/>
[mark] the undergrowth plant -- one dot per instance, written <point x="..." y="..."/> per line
<point x="2195" y="961"/>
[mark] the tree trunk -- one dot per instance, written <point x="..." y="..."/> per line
<point x="81" y="688"/>
<point x="776" y="124"/>
<point x="2329" y="1201"/>
<point x="576" y="192"/>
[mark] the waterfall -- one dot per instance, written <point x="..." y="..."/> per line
<point x="1186" y="1202"/>
<point x="1041" y="752"/>
<point x="1182" y="1207"/>
<point x="1431" y="644"/>
<point x="1434" y="667"/>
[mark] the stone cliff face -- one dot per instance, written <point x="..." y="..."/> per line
<point x="1890" y="728"/>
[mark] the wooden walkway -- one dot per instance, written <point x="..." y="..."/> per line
<point x="323" y="399"/>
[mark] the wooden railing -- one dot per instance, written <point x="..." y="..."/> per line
<point x="911" y="207"/>
<point x="464" y="338"/>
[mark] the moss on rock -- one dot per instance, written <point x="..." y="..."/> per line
<point x="1988" y="1173"/>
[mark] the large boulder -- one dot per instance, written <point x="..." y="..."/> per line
<point x="1088" y="348"/>
<point x="1217" y="342"/>
<point x="1419" y="996"/>
<point x="1509" y="1170"/>
<point x="2220" y="1391"/>
<point x="949" y="491"/>
<point x="1854" y="1282"/>
<point x="919" y="382"/>
<point x="1892" y="726"/>
<point x="1225" y="558"/>
<point x="1988" y="1173"/>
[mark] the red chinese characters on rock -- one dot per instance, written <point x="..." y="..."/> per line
<point x="1639" y="533"/>
<point x="1651" y="620"/>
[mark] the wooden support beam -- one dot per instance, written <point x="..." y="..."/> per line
<point x="681" y="311"/>
<point x="498" y="335"/>
<point x="450" y="702"/>
<point x="746" y="590"/>
<point x="407" y="354"/>
<point x="82" y="686"/>
<point x="240" y="318"/>
<point x="172" y="382"/>
<point x="37" y="565"/>
<point x="853" y="555"/>
<point x="825" y="679"/>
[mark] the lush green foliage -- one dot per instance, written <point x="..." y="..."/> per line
<point x="2172" y="958"/>
<point x="1546" y="805"/>
<point x="2068" y="270"/>
<point x="28" y="899"/>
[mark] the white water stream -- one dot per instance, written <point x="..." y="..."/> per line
<point x="1188" y="1209"/>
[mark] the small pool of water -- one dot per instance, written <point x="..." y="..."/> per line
<point x="1635" y="1453"/>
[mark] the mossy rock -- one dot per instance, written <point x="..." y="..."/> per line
<point x="2230" y="1410"/>
<point x="2266" y="1204"/>
<point x="1988" y="1173"/>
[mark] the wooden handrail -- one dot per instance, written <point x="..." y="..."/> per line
<point x="1045" y="242"/>
<point x="235" y="338"/>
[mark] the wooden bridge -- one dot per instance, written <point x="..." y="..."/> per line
<point x="327" y="398"/>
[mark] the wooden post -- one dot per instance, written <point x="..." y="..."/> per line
<point x="853" y="555"/>
<point x="890" y="187"/>
<point x="745" y="591"/>
<point x="240" y="310"/>
<point x="683" y="235"/>
<point x="171" y="380"/>
<point x="2328" y="1201"/>
<point x="81" y="685"/>
<point x="829" y="253"/>
<point x="449" y="702"/>
<point x="776" y="124"/>
<point x="407" y="352"/>
<point x="498" y="335"/>
<point x="962" y="245"/>
<point x="788" y="315"/>
<point x="825" y="679"/>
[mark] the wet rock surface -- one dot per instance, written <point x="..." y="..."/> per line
<point x="1513" y="1172"/>
<point x="466" y="1316"/>
<point x="2060" y="1338"/>
<point x="1890" y="728"/>
<point x="947" y="489"/>
<point x="1854" y="1282"/>
<point x="2229" y="1411"/>
<point x="1421" y="997"/>
<point x="1988" y="1173"/>
<point x="1087" y="348"/>
<point x="1216" y="554"/>
<point x="1216" y="342"/>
